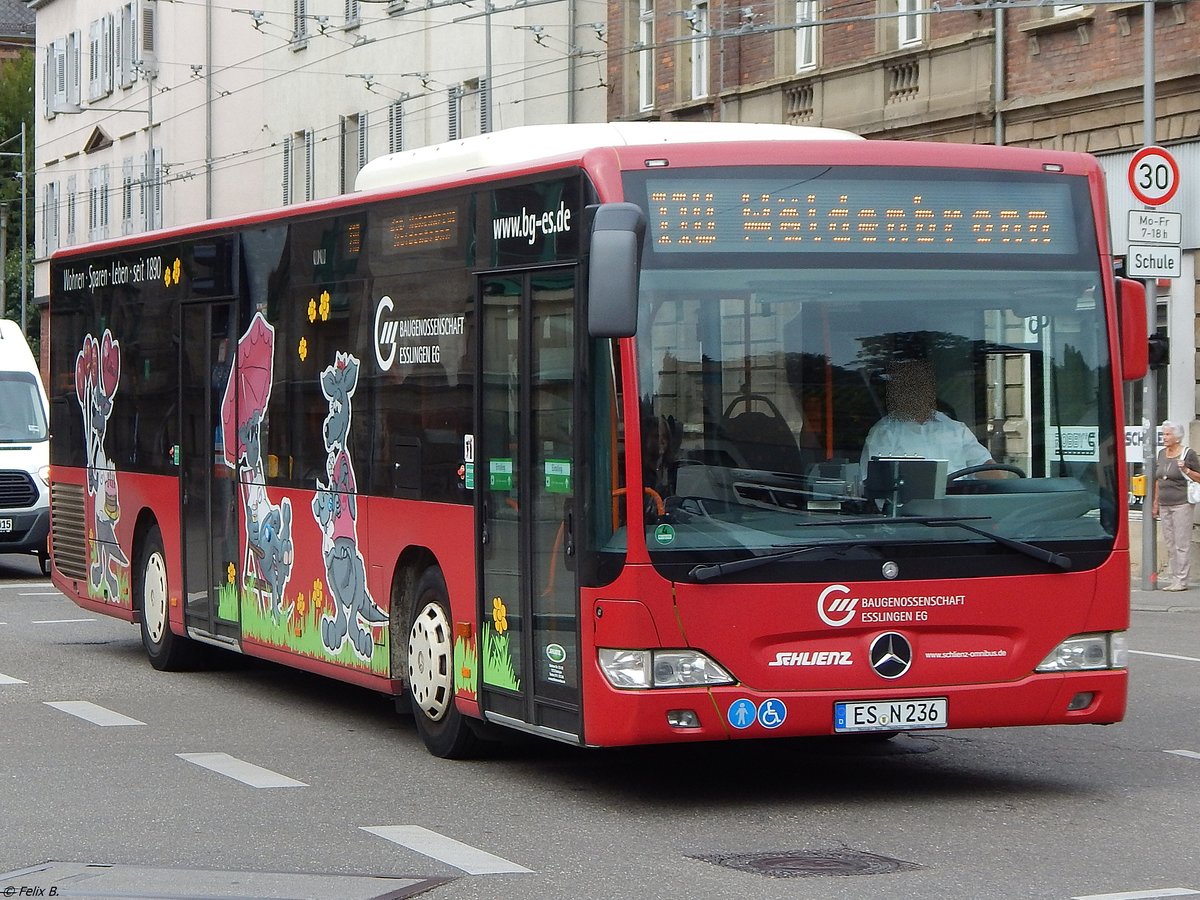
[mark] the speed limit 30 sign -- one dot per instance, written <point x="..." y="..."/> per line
<point x="1153" y="176"/>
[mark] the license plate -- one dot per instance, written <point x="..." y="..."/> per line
<point x="890" y="715"/>
<point x="5" y="525"/>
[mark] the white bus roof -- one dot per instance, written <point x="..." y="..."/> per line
<point x="532" y="142"/>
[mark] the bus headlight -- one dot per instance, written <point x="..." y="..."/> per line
<point x="1086" y="652"/>
<point x="641" y="669"/>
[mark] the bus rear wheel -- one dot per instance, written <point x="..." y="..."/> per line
<point x="166" y="650"/>
<point x="444" y="730"/>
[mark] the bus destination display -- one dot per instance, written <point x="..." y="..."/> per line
<point x="429" y="229"/>
<point x="831" y="213"/>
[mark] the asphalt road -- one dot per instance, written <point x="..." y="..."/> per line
<point x="252" y="780"/>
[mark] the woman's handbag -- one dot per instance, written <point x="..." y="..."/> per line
<point x="1193" y="487"/>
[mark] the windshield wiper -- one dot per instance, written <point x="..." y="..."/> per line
<point x="716" y="570"/>
<point x="1046" y="556"/>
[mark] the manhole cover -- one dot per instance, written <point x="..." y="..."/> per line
<point x="804" y="863"/>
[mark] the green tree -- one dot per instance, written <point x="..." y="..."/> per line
<point x="16" y="106"/>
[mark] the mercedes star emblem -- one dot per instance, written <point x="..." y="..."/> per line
<point x="891" y="655"/>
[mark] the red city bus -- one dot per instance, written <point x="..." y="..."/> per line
<point x="572" y="429"/>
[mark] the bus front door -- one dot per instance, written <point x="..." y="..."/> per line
<point x="208" y="510"/>
<point x="525" y="478"/>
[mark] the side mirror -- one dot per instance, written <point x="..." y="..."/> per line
<point x="1132" y="333"/>
<point x="614" y="266"/>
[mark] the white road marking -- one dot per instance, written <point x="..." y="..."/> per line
<point x="1165" y="655"/>
<point x="58" y="621"/>
<point x="454" y="853"/>
<point x="22" y="584"/>
<point x="1190" y="754"/>
<point x="8" y="679"/>
<point x="240" y="770"/>
<point x="41" y="594"/>
<point x="90" y="712"/>
<point x="1141" y="895"/>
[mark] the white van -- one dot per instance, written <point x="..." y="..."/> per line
<point x="24" y="448"/>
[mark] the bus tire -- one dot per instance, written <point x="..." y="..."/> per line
<point x="167" y="651"/>
<point x="444" y="730"/>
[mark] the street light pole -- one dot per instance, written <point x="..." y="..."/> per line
<point x="24" y="231"/>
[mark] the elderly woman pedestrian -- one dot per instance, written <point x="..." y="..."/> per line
<point x="1176" y="465"/>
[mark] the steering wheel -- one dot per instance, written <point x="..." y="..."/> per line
<point x="987" y="467"/>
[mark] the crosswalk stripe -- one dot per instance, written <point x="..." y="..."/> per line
<point x="8" y="679"/>
<point x="240" y="770"/>
<point x="1141" y="895"/>
<point x="1191" y="754"/>
<point x="454" y="853"/>
<point x="1165" y="655"/>
<point x="90" y="712"/>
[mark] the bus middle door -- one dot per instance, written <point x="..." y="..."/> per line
<point x="525" y="491"/>
<point x="208" y="500"/>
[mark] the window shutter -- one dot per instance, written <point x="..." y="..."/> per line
<point x="362" y="139"/>
<point x="396" y="127"/>
<point x="454" y="96"/>
<point x="156" y="196"/>
<point x="485" y="106"/>
<point x="310" y="186"/>
<point x="287" y="170"/>
<point x="71" y="209"/>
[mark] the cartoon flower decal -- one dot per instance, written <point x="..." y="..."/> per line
<point x="312" y="310"/>
<point x="303" y="349"/>
<point x="231" y="573"/>
<point x="175" y="270"/>
<point x="324" y="306"/>
<point x="499" y="615"/>
<point x="301" y="606"/>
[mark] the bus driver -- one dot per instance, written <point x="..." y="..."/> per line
<point x="914" y="427"/>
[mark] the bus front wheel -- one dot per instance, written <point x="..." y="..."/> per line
<point x="166" y="650"/>
<point x="444" y="730"/>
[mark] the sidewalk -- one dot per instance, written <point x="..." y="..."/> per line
<point x="1165" y="601"/>
<point x="1160" y="601"/>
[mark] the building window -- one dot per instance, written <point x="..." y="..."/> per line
<point x="298" y="175"/>
<point x="71" y="211"/>
<point x="100" y="58"/>
<point x="49" y="218"/>
<point x="645" y="54"/>
<point x="699" y="46"/>
<point x="151" y="189"/>
<point x="125" y="46"/>
<point x="128" y="180"/>
<point x="806" y="35"/>
<point x="353" y="150"/>
<point x="98" y="203"/>
<point x="910" y="27"/>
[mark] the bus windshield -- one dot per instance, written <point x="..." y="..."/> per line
<point x="849" y="359"/>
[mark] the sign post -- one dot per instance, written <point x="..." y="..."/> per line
<point x="1153" y="179"/>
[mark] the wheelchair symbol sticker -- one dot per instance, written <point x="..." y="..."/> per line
<point x="742" y="713"/>
<point x="772" y="713"/>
